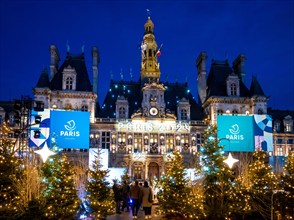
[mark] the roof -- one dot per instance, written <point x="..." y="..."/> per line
<point x="279" y="115"/>
<point x="255" y="88"/>
<point x="75" y="61"/>
<point x="216" y="81"/>
<point x="132" y="92"/>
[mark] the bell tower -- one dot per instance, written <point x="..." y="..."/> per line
<point x="149" y="64"/>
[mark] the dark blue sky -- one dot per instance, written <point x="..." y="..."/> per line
<point x="262" y="30"/>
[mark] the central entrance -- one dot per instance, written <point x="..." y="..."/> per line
<point x="153" y="171"/>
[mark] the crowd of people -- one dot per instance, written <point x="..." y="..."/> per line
<point x="134" y="197"/>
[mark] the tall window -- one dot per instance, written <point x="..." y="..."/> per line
<point x="105" y="140"/>
<point x="277" y="126"/>
<point x="280" y="151"/>
<point x="84" y="108"/>
<point x="288" y="127"/>
<point x="122" y="112"/>
<point x="184" y="115"/>
<point x="68" y="83"/>
<point x="259" y="112"/>
<point x="233" y="89"/>
<point x="138" y="141"/>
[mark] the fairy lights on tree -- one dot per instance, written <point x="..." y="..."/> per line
<point x="99" y="194"/>
<point x="10" y="173"/>
<point x="62" y="200"/>
<point x="176" y="199"/>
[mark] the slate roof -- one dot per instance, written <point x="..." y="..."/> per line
<point x="78" y="63"/>
<point x="43" y="80"/>
<point x="216" y="80"/>
<point x="255" y="88"/>
<point x="279" y="115"/>
<point x="132" y="92"/>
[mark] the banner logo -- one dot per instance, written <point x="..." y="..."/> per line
<point x="70" y="127"/>
<point x="235" y="136"/>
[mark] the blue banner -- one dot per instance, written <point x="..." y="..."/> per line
<point x="70" y="129"/>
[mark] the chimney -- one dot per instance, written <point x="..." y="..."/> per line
<point x="96" y="61"/>
<point x="238" y="66"/>
<point x="54" y="61"/>
<point x="201" y="67"/>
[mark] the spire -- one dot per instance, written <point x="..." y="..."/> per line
<point x="149" y="54"/>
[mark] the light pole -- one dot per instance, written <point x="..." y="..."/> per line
<point x="272" y="201"/>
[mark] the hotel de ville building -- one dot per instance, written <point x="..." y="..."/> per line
<point x="141" y="122"/>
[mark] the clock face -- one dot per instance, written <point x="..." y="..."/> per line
<point x="153" y="111"/>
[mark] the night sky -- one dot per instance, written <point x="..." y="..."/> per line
<point x="262" y="30"/>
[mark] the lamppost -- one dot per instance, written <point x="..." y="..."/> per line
<point x="272" y="201"/>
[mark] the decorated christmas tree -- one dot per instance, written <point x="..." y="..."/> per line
<point x="217" y="176"/>
<point x="10" y="173"/>
<point x="288" y="187"/>
<point x="175" y="197"/>
<point x="99" y="194"/>
<point x="62" y="201"/>
<point x="126" y="177"/>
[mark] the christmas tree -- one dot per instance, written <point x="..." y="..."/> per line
<point x="288" y="187"/>
<point x="176" y="199"/>
<point x="10" y="173"/>
<point x="99" y="194"/>
<point x="254" y="193"/>
<point x="217" y="176"/>
<point x="62" y="201"/>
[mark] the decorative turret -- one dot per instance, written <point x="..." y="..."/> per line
<point x="149" y="65"/>
<point x="54" y="61"/>
<point x="96" y="61"/>
<point x="201" y="67"/>
<point x="238" y="66"/>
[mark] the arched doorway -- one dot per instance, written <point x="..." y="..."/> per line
<point x="153" y="171"/>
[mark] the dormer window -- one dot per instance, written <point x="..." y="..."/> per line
<point x="277" y="126"/>
<point x="122" y="112"/>
<point x="69" y="78"/>
<point x="233" y="89"/>
<point x="233" y="85"/>
<point x="260" y="112"/>
<point x="288" y="123"/>
<point x="68" y="83"/>
<point x="184" y="114"/>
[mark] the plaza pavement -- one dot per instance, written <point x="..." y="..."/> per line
<point x="128" y="215"/>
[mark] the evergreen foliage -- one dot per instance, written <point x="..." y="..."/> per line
<point x="288" y="187"/>
<point x="217" y="177"/>
<point x="62" y="201"/>
<point x="99" y="194"/>
<point x="10" y="173"/>
<point x="176" y="199"/>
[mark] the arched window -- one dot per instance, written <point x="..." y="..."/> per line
<point x="68" y="83"/>
<point x="259" y="112"/>
<point x="220" y="112"/>
<point x="234" y="112"/>
<point x="84" y="108"/>
<point x="122" y="112"/>
<point x="184" y="115"/>
<point x="233" y="89"/>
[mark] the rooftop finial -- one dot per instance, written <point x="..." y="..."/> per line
<point x="83" y="47"/>
<point x="148" y="13"/>
<point x="131" y="73"/>
<point x="121" y="74"/>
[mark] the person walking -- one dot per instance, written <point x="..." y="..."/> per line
<point x="147" y="199"/>
<point x="126" y="196"/>
<point x="135" y="195"/>
<point x="117" y="196"/>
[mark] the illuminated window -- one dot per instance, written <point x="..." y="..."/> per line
<point x="153" y="138"/>
<point x="138" y="142"/>
<point x="279" y="151"/>
<point x="233" y="89"/>
<point x="105" y="140"/>
<point x="169" y="142"/>
<point x="184" y="115"/>
<point x="68" y="83"/>
<point x="121" y="137"/>
<point x="84" y="108"/>
<point x="288" y="127"/>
